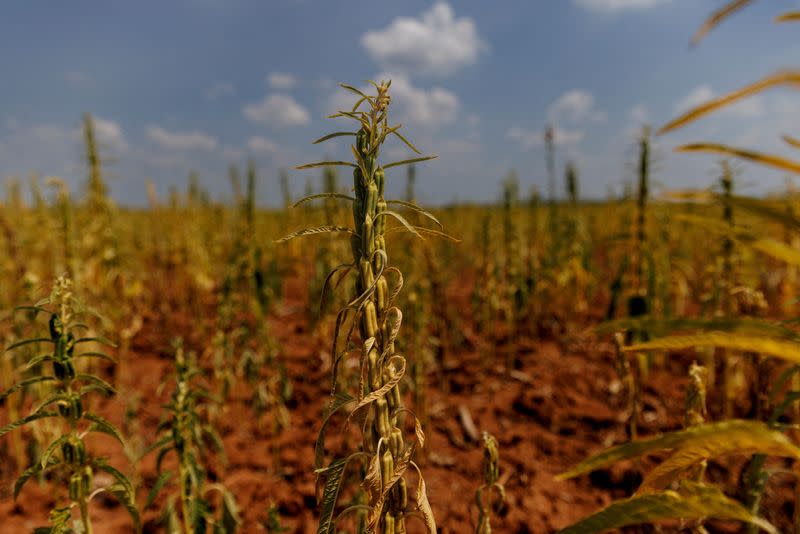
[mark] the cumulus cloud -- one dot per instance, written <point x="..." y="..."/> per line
<point x="411" y="105"/>
<point x="618" y="5"/>
<point x="281" y="80"/>
<point x="575" y="106"/>
<point x="181" y="140"/>
<point x="219" y="90"/>
<point x="437" y="43"/>
<point x="110" y="134"/>
<point x="261" y="145"/>
<point x="528" y="139"/>
<point x="277" y="109"/>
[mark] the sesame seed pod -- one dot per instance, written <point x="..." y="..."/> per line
<point x="387" y="467"/>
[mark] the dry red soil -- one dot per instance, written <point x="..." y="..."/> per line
<point x="563" y="403"/>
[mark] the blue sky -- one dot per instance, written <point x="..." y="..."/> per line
<point x="187" y="85"/>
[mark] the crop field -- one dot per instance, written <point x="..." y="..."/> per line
<point x="357" y="363"/>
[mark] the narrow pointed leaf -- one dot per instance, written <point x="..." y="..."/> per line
<point x="718" y="16"/>
<point x="788" y="350"/>
<point x="410" y="161"/>
<point x="315" y="231"/>
<point x="692" y="502"/>
<point x="700" y="435"/>
<point x="775" y="80"/>
<point x="325" y="164"/>
<point x="768" y="160"/>
<point x="333" y="135"/>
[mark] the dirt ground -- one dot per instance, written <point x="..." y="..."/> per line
<point x="563" y="403"/>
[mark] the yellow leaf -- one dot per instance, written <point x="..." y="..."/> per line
<point x="692" y="501"/>
<point x="775" y="80"/>
<point x="751" y="155"/>
<point x="718" y="16"/>
<point x="702" y="436"/>
<point x="780" y="348"/>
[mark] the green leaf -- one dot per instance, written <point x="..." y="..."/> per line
<point x="331" y="136"/>
<point x="26" y="475"/>
<point x="709" y="437"/>
<point x="160" y="482"/>
<point x="325" y="164"/>
<point x="340" y="400"/>
<point x="93" y="354"/>
<point x="28" y="342"/>
<point x="47" y="455"/>
<point x="103" y="465"/>
<point x="333" y="483"/>
<point x="103" y="426"/>
<point x="25" y="383"/>
<point x="126" y="498"/>
<point x="25" y="420"/>
<point x="692" y="501"/>
<point x="99" y="382"/>
<point x="409" y="161"/>
<point x="404" y="140"/>
<point x="97" y="339"/>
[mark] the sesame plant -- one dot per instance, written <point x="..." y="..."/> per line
<point x="190" y="438"/>
<point x="65" y="400"/>
<point x="491" y="494"/>
<point x="385" y="458"/>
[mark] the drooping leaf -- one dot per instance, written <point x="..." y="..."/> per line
<point x="718" y="16"/>
<point x="25" y="383"/>
<point x="692" y="501"/>
<point x="410" y="161"/>
<point x="339" y="400"/>
<point x="768" y="160"/>
<point x="160" y="482"/>
<point x="701" y="436"/>
<point x="780" y="348"/>
<point x="322" y="195"/>
<point x="658" y="327"/>
<point x="775" y="80"/>
<point x="325" y="164"/>
<point x="103" y="426"/>
<point x="414" y="207"/>
<point x="315" y="231"/>
<point x="25" y="420"/>
<point x="740" y="442"/>
<point x="125" y="498"/>
<point x="791" y="16"/>
<point x="333" y="483"/>
<point x="24" y="342"/>
<point x="332" y="135"/>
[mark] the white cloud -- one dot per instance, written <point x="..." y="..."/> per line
<point x="110" y="133"/>
<point x="181" y="140"/>
<point x="639" y="114"/>
<point x="618" y="5"/>
<point x="436" y="43"/>
<point x="528" y="139"/>
<point x="411" y="105"/>
<point x="695" y="97"/>
<point x="277" y="109"/>
<point x="220" y="89"/>
<point x="281" y="80"/>
<point x="575" y="106"/>
<point x="260" y="145"/>
<point x="230" y="152"/>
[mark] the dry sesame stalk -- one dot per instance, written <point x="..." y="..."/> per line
<point x="378" y="406"/>
<point x="491" y="484"/>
